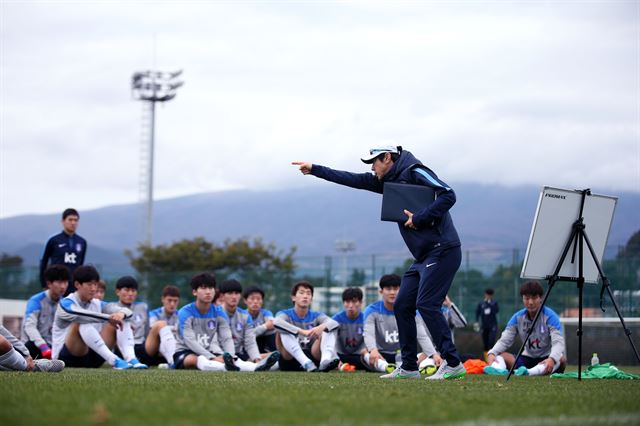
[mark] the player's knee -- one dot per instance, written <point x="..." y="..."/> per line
<point x="159" y="325"/>
<point x="5" y="346"/>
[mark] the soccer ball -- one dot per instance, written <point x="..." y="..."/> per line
<point x="428" y="367"/>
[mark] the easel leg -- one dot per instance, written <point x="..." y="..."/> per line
<point x="606" y="284"/>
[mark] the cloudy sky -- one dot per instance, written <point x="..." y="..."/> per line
<point x="491" y="92"/>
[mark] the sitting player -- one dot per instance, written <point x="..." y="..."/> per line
<point x="344" y="335"/>
<point x="381" y="334"/>
<point x="262" y="319"/>
<point x="203" y="330"/>
<point x="248" y="357"/>
<point x="163" y="323"/>
<point x="544" y="351"/>
<point x="146" y="341"/>
<point x="41" y="308"/>
<point x="452" y="314"/>
<point x="299" y="332"/>
<point x="101" y="290"/>
<point x="77" y="336"/>
<point x="14" y="356"/>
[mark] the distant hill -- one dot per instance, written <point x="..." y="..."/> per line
<point x="311" y="218"/>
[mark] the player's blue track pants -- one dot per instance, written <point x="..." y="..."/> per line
<point x="424" y="287"/>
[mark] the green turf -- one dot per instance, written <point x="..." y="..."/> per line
<point x="182" y="398"/>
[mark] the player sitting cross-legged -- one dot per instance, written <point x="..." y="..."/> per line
<point x="203" y="330"/>
<point x="381" y="334"/>
<point x="544" y="351"/>
<point x="344" y="335"/>
<point x="248" y="357"/>
<point x="299" y="332"/>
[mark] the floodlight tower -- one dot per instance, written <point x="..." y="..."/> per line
<point x="345" y="246"/>
<point x="151" y="87"/>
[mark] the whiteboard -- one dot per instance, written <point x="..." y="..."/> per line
<point x="556" y="213"/>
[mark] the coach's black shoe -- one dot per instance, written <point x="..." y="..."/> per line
<point x="228" y="362"/>
<point x="268" y="362"/>
<point x="329" y="365"/>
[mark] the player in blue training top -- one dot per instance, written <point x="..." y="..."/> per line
<point x="204" y="335"/>
<point x="344" y="335"/>
<point x="66" y="248"/>
<point x="41" y="308"/>
<point x="432" y="239"/>
<point x="247" y="355"/>
<point x="299" y="332"/>
<point x="262" y="319"/>
<point x="544" y="351"/>
<point x="381" y="333"/>
<point x="163" y="326"/>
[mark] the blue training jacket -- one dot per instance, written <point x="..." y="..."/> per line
<point x="435" y="226"/>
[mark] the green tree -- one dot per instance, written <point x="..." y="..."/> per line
<point x="251" y="262"/>
<point x="358" y="278"/>
<point x="13" y="283"/>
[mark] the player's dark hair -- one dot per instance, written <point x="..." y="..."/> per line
<point x="253" y="289"/>
<point x="56" y="273"/>
<point x="85" y="274"/>
<point x="303" y="284"/>
<point x="489" y="291"/>
<point x="170" y="290"/>
<point x="352" y="293"/>
<point x="205" y="279"/>
<point x="70" y="212"/>
<point x="531" y="288"/>
<point x="230" y="286"/>
<point x="390" y="280"/>
<point x="126" y="282"/>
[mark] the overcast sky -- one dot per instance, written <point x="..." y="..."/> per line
<point x="491" y="92"/>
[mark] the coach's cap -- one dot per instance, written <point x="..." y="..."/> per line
<point x="127" y="282"/>
<point x="377" y="150"/>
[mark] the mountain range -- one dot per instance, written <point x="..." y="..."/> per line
<point x="312" y="218"/>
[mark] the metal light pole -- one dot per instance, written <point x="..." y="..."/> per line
<point x="151" y="87"/>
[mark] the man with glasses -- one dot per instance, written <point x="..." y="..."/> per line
<point x="433" y="241"/>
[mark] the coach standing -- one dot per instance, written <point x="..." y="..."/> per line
<point x="433" y="241"/>
<point x="66" y="248"/>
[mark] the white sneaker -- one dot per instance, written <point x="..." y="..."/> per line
<point x="310" y="367"/>
<point x="399" y="373"/>
<point x="448" y="373"/>
<point x="48" y="365"/>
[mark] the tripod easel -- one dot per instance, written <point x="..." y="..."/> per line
<point x="577" y="238"/>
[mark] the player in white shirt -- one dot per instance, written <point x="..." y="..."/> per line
<point x="77" y="336"/>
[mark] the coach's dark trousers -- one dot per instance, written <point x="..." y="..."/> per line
<point x="424" y="287"/>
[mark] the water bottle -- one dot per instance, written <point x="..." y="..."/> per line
<point x="398" y="358"/>
<point x="594" y="359"/>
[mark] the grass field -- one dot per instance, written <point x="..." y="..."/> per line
<point x="182" y="398"/>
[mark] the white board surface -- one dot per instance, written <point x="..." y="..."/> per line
<point x="557" y="211"/>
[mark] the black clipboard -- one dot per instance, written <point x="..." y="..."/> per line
<point x="396" y="197"/>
